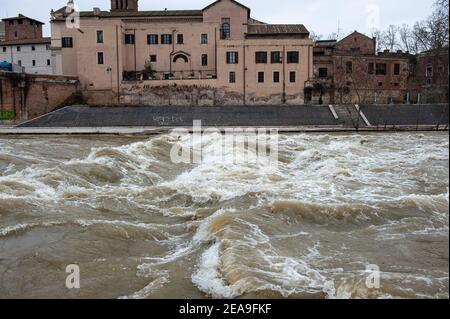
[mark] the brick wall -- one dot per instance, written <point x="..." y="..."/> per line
<point x="26" y="30"/>
<point x="192" y="93"/>
<point x="29" y="96"/>
<point x="357" y="42"/>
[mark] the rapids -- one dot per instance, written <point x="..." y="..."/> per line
<point x="140" y="226"/>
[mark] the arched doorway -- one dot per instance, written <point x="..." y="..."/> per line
<point x="180" y="56"/>
<point x="181" y="64"/>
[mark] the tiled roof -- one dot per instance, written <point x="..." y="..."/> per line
<point x="254" y="21"/>
<point x="235" y="2"/>
<point x="61" y="13"/>
<point x="26" y="41"/>
<point x="326" y="43"/>
<point x="22" y="17"/>
<point x="269" y="29"/>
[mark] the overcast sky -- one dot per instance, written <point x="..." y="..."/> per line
<point x="320" y="16"/>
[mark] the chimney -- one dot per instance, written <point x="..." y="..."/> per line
<point x="97" y="11"/>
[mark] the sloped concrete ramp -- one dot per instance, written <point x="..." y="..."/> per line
<point x="381" y="115"/>
<point x="232" y="116"/>
<point x="173" y="116"/>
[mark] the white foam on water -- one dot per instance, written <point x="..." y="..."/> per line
<point x="161" y="278"/>
<point x="355" y="180"/>
<point x="208" y="279"/>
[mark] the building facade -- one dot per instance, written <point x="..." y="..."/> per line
<point x="2" y="31"/>
<point x="351" y="71"/>
<point x="219" y="54"/>
<point x="24" y="45"/>
<point x="429" y="83"/>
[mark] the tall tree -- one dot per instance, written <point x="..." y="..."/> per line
<point x="390" y="37"/>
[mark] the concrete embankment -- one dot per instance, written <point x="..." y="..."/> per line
<point x="301" y="118"/>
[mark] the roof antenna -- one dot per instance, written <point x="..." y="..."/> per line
<point x="339" y="30"/>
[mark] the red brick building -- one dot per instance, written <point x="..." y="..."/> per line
<point x="429" y="83"/>
<point x="22" y="27"/>
<point x="2" y="31"/>
<point x="351" y="71"/>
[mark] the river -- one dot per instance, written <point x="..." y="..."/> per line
<point x="336" y="208"/>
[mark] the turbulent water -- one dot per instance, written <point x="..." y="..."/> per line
<point x="140" y="226"/>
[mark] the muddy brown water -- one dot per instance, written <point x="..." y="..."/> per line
<point x="140" y="226"/>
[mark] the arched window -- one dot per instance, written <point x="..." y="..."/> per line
<point x="180" y="56"/>
<point x="226" y="32"/>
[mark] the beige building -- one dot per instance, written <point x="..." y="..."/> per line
<point x="217" y="55"/>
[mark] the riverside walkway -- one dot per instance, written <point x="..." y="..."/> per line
<point x="292" y="118"/>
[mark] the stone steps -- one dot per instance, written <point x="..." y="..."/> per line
<point x="349" y="116"/>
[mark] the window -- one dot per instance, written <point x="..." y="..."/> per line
<point x="33" y="62"/>
<point x="204" y="38"/>
<point x="18" y="49"/>
<point x="48" y="62"/>
<point x="261" y="57"/>
<point x="275" y="57"/>
<point x="204" y="59"/>
<point x="276" y="77"/>
<point x="232" y="58"/>
<point x="226" y="30"/>
<point x="20" y="21"/>
<point x="293" y="57"/>
<point x="152" y="39"/>
<point x="130" y="39"/>
<point x="380" y="84"/>
<point x="396" y="69"/>
<point x="19" y="62"/>
<point x="100" y="58"/>
<point x="323" y="72"/>
<point x="429" y="82"/>
<point x="48" y="47"/>
<point x="260" y="77"/>
<point x="67" y="42"/>
<point x="292" y="77"/>
<point x="180" y="39"/>
<point x="33" y="48"/>
<point x="371" y="68"/>
<point x="381" y="69"/>
<point x="166" y="39"/>
<point x="349" y="67"/>
<point x="232" y="77"/>
<point x="15" y="34"/>
<point x="153" y="58"/>
<point x="4" y="49"/>
<point x="429" y="72"/>
<point x="99" y="36"/>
